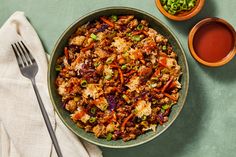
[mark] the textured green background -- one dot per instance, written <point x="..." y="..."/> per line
<point x="207" y="124"/>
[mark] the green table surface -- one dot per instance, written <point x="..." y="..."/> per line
<point x="207" y="124"/>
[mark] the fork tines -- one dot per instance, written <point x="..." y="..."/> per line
<point x="23" y="56"/>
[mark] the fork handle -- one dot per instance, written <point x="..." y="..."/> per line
<point x="46" y="119"/>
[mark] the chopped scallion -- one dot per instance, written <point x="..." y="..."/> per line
<point x="94" y="37"/>
<point x="123" y="67"/>
<point x="140" y="27"/>
<point x="114" y="17"/>
<point x="109" y="136"/>
<point x="83" y="83"/>
<point x="136" y="38"/>
<point x="92" y="119"/>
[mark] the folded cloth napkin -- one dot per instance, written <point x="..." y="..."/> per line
<point x="23" y="132"/>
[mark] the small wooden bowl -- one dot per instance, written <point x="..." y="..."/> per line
<point x="184" y="15"/>
<point x="202" y="23"/>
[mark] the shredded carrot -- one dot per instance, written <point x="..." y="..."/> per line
<point x="167" y="85"/>
<point x="137" y="32"/>
<point x="88" y="47"/>
<point x="163" y="54"/>
<point x="113" y="118"/>
<point x="130" y="73"/>
<point x="170" y="96"/>
<point x="79" y="115"/>
<point x="172" y="85"/>
<point x="157" y="90"/>
<point x="121" y="76"/>
<point x="107" y="22"/>
<point x="66" y="52"/>
<point x="163" y="62"/>
<point x="125" y="121"/>
<point x="157" y="72"/>
<point x="114" y="66"/>
<point x="145" y="32"/>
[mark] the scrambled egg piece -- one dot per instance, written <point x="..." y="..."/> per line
<point x="84" y="118"/>
<point x="133" y="83"/>
<point x="120" y="44"/>
<point x="78" y="40"/>
<point x="107" y="71"/>
<point x="143" y="108"/>
<point x="92" y="90"/>
<point x="101" y="53"/>
<point x="101" y="103"/>
<point x="62" y="88"/>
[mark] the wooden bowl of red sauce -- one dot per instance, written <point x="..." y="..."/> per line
<point x="212" y="42"/>
<point x="183" y="15"/>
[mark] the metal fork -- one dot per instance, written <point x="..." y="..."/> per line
<point x="29" y="69"/>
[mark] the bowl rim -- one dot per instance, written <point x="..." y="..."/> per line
<point x="118" y="8"/>
<point x="192" y="13"/>
<point x="192" y="33"/>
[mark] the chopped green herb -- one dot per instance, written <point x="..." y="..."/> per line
<point x="94" y="37"/>
<point x="96" y="64"/>
<point x="144" y="117"/>
<point x="92" y="119"/>
<point x="58" y="68"/>
<point x="136" y="38"/>
<point x="83" y="83"/>
<point x="109" y="136"/>
<point x="114" y="17"/>
<point x="165" y="107"/>
<point x="123" y="67"/>
<point x="175" y="6"/>
<point x="93" y="110"/>
<point x="140" y="27"/>
<point x="164" y="48"/>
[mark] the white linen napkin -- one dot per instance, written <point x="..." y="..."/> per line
<point x="23" y="132"/>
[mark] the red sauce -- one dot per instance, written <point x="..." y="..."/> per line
<point x="213" y="41"/>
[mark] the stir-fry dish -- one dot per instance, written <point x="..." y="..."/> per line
<point x="118" y="77"/>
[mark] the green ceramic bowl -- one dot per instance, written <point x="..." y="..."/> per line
<point x="58" y="50"/>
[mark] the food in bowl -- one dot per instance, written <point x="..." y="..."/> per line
<point x="118" y="77"/>
<point x="180" y="10"/>
<point x="178" y="6"/>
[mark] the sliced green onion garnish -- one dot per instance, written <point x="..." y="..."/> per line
<point x="136" y="38"/>
<point x="58" y="68"/>
<point x="96" y="64"/>
<point x="144" y="117"/>
<point x="114" y="17"/>
<point x="164" y="48"/>
<point x="94" y="37"/>
<point x="140" y="27"/>
<point x="109" y="136"/>
<point x="165" y="107"/>
<point x="110" y="60"/>
<point x="176" y="6"/>
<point x="128" y="34"/>
<point x="92" y="119"/>
<point x="93" y="110"/>
<point x="83" y="83"/>
<point x="123" y="67"/>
